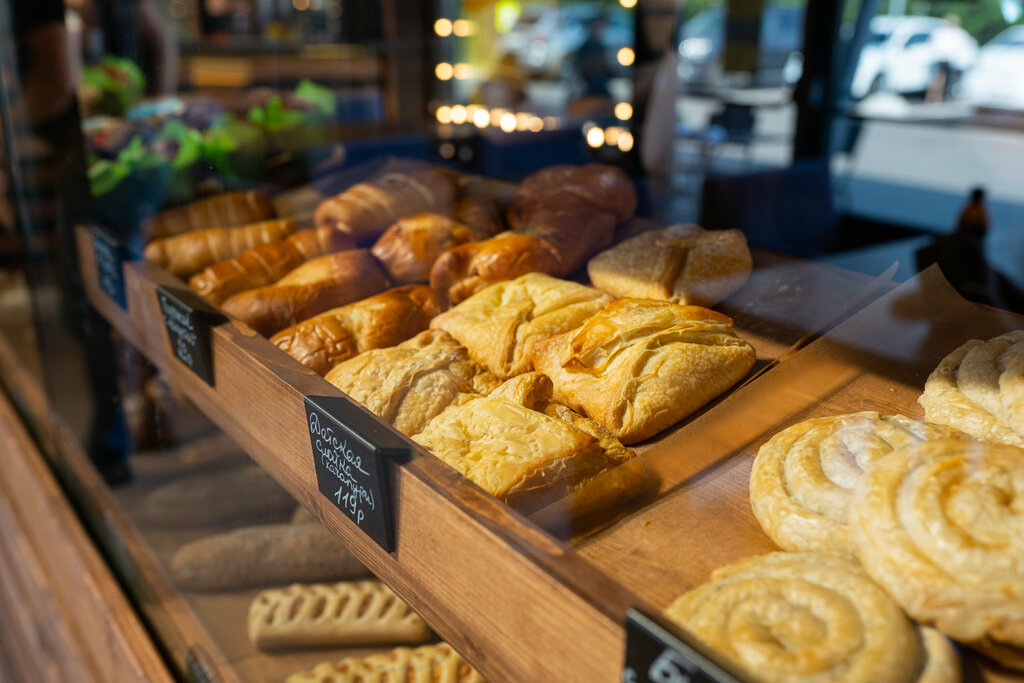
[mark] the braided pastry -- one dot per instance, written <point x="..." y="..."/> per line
<point x="426" y="664"/>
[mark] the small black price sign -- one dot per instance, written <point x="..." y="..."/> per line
<point x="188" y="320"/>
<point x="655" y="655"/>
<point x="110" y="255"/>
<point x="352" y="453"/>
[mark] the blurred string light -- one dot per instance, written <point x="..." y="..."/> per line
<point x="625" y="141"/>
<point x="623" y="111"/>
<point x="506" y="14"/>
<point x="447" y="150"/>
<point x="481" y="118"/>
<point x="503" y="119"/>
<point x="443" y="27"/>
<point x="459" y="114"/>
<point x="595" y="136"/>
<point x="611" y="135"/>
<point x="462" y="28"/>
<point x="462" y="71"/>
<point x="444" y="114"/>
<point x="628" y="4"/>
<point x="626" y="56"/>
<point x="508" y="122"/>
<point x="300" y="5"/>
<point x="444" y="71"/>
<point x="536" y="124"/>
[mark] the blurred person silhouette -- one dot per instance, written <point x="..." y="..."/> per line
<point x="954" y="51"/>
<point x="505" y="88"/>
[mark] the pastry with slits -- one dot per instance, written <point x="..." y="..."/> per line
<point x="321" y="615"/>
<point x="639" y="366"/>
<point x="425" y="664"/>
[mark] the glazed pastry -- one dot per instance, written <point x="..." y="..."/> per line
<point x="639" y="366"/>
<point x="408" y="249"/>
<point x="683" y="264"/>
<point x="939" y="526"/>
<point x="795" y="617"/>
<point x="266" y="264"/>
<point x="314" y="287"/>
<point x="366" y="210"/>
<point x="501" y="324"/>
<point x="225" y="210"/>
<point x="575" y="231"/>
<point x="425" y="664"/>
<point x="236" y="496"/>
<point x="479" y="214"/>
<point x="979" y="389"/>
<point x="257" y="556"/>
<point x="319" y="615"/>
<point x="802" y="479"/>
<point x="407" y="385"/>
<point x="599" y="185"/>
<point x="186" y="254"/>
<point x="386" y="319"/>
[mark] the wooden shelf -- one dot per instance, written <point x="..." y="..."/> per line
<point x="518" y="602"/>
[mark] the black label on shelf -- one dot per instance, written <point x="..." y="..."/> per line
<point x="110" y="256"/>
<point x="188" y="320"/>
<point x="352" y="455"/>
<point x="655" y="655"/>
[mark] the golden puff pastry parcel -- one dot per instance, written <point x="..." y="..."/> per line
<point x="324" y="615"/>
<point x="684" y="264"/>
<point x="979" y="389"/>
<point x="940" y="526"/>
<point x="639" y="366"/>
<point x="425" y="664"/>
<point x="803" y="617"/>
<point x="500" y="324"/>
<point x="803" y="477"/>
<point x="408" y="384"/>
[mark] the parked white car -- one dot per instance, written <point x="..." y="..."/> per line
<point x="903" y="53"/>
<point x="997" y="77"/>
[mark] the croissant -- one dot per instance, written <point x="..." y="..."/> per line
<point x="267" y="263"/>
<point x="409" y="248"/>
<point x="479" y="214"/>
<point x="314" y="287"/>
<point x="604" y="187"/>
<point x="186" y="254"/>
<point x="367" y="209"/>
<point x="386" y="319"/>
<point x="226" y="210"/>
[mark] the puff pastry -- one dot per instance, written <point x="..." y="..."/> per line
<point x="979" y="389"/>
<point x="802" y="479"/>
<point x="811" y="617"/>
<point x="407" y="385"/>
<point x="640" y="365"/>
<point x="314" y="615"/>
<point x="684" y="264"/>
<point x="425" y="664"/>
<point x="941" y="527"/>
<point x="500" y="324"/>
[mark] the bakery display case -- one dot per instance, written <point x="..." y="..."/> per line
<point x="417" y="366"/>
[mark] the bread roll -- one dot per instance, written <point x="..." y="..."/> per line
<point x="184" y="255"/>
<point x="225" y="210"/>
<point x="640" y="366"/>
<point x="257" y="556"/>
<point x="461" y="272"/>
<point x="683" y="264"/>
<point x="425" y="664"/>
<point x="500" y="324"/>
<point x="386" y="319"/>
<point x="314" y="287"/>
<point x="407" y="385"/>
<point x="409" y="248"/>
<point x="366" y="210"/>
<point x="267" y="263"/>
<point x="814" y="618"/>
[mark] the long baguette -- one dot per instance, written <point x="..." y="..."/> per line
<point x="267" y="263"/>
<point x="257" y="556"/>
<point x="312" y="288"/>
<point x="184" y="255"/>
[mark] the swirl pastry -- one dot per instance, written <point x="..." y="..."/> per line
<point x="339" y="614"/>
<point x="802" y="479"/>
<point x="426" y="664"/>
<point x="811" y="617"/>
<point x="979" y="389"/>
<point x="941" y="527"/>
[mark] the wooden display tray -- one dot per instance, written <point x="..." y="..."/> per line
<point x="517" y="602"/>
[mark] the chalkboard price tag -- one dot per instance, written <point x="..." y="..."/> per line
<point x="188" y="320"/>
<point x="352" y="455"/>
<point x="110" y="255"/>
<point x="655" y="655"/>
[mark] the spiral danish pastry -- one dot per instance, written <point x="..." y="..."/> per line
<point x="941" y="527"/>
<point x="979" y="389"/>
<point x="811" y="617"/>
<point x="802" y="478"/>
